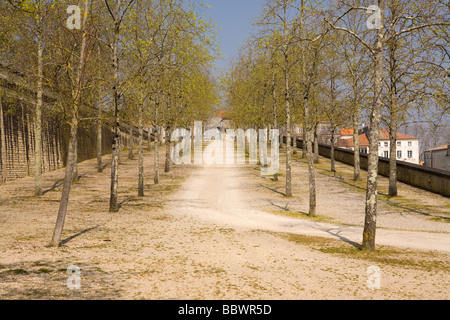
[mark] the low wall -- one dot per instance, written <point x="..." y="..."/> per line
<point x="433" y="180"/>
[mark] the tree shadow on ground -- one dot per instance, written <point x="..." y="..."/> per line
<point x="65" y="241"/>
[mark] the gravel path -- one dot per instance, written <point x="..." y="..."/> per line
<point x="221" y="194"/>
<point x="204" y="233"/>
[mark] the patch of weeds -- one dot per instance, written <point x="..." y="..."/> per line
<point x="44" y="270"/>
<point x="384" y="255"/>
<point x="301" y="215"/>
<point x="17" y="272"/>
<point x="440" y="219"/>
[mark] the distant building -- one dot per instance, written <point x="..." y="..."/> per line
<point x="220" y="121"/>
<point x="407" y="146"/>
<point x="438" y="158"/>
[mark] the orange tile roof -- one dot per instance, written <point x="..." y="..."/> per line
<point x="345" y="143"/>
<point x="347" y="132"/>
<point x="222" y="114"/>
<point x="384" y="135"/>
<point x="363" y="141"/>
<point x="350" y="143"/>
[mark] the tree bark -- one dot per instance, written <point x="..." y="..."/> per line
<point x="167" y="162"/>
<point x="288" y="131"/>
<point x="57" y="234"/>
<point x="316" y="143"/>
<point x="304" y="151"/>
<point x="370" y="223"/>
<point x="357" y="156"/>
<point x="275" y="113"/>
<point x="75" y="176"/>
<point x="393" y="190"/>
<point x="99" y="142"/>
<point x="131" y="143"/>
<point x="149" y="138"/>
<point x="156" y="159"/>
<point x="141" y="152"/>
<point x="3" y="142"/>
<point x="311" y="170"/>
<point x="294" y="142"/>
<point x="114" y="202"/>
<point x="38" y="110"/>
<point x="333" y="160"/>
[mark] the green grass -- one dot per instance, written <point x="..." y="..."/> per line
<point x="301" y="215"/>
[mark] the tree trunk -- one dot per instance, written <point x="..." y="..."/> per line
<point x="149" y="138"/>
<point x="316" y="143"/>
<point x="370" y="224"/>
<point x="57" y="234"/>
<point x="393" y="191"/>
<point x="357" y="156"/>
<point x="114" y="202"/>
<point x="294" y="137"/>
<point x="99" y="145"/>
<point x="304" y="149"/>
<point x="131" y="143"/>
<point x="311" y="170"/>
<point x="156" y="159"/>
<point x="141" y="152"/>
<point x="333" y="160"/>
<point x="288" y="132"/>
<point x="275" y="114"/>
<point x="167" y="163"/>
<point x="3" y="142"/>
<point x="38" y="111"/>
<point x="75" y="176"/>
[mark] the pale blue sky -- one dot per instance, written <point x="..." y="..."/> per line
<point x="235" y="18"/>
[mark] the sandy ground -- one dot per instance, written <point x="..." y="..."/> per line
<point x="219" y="232"/>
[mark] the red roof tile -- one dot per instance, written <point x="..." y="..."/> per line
<point x="347" y="132"/>
<point x="350" y="143"/>
<point x="384" y="135"/>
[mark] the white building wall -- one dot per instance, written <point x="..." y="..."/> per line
<point x="409" y="150"/>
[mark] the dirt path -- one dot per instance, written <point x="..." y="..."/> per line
<point x="220" y="194"/>
<point x="204" y="233"/>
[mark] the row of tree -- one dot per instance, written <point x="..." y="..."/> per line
<point x="346" y="64"/>
<point x="146" y="63"/>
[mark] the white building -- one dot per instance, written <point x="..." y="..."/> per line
<point x="407" y="146"/>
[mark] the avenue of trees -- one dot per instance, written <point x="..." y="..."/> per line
<point x="118" y="63"/>
<point x="147" y="64"/>
<point x="346" y="63"/>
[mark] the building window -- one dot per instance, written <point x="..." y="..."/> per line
<point x="399" y="154"/>
<point x="409" y="143"/>
<point x="386" y="144"/>
<point x="399" y="143"/>
<point x="386" y="154"/>
<point x="410" y="154"/>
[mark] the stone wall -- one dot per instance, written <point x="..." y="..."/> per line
<point x="433" y="180"/>
<point x="19" y="142"/>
